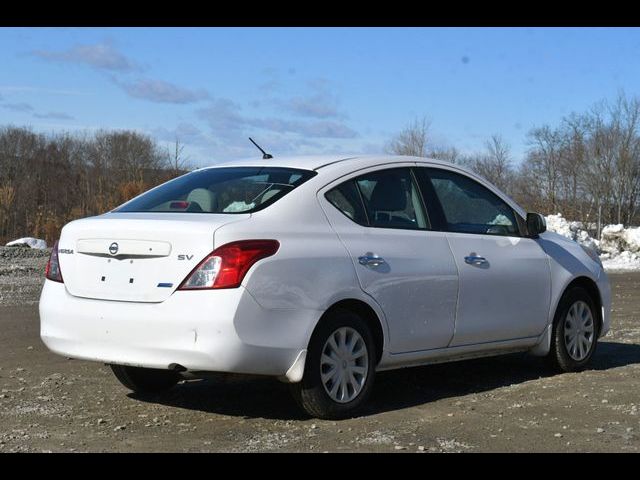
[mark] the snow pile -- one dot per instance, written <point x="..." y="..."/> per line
<point x="624" y="261"/>
<point x="557" y="223"/>
<point x="29" y="242"/>
<point x="617" y="239"/>
<point x="619" y="247"/>
<point x="576" y="231"/>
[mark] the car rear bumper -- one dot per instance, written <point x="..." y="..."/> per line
<point x="216" y="331"/>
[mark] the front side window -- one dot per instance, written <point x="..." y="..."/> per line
<point x="220" y="190"/>
<point x="469" y="207"/>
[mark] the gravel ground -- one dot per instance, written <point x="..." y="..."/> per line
<point x="21" y="274"/>
<point x="512" y="403"/>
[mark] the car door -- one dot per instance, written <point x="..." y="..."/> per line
<point x="504" y="277"/>
<point x="408" y="269"/>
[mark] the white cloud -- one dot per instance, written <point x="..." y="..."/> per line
<point x="226" y="120"/>
<point x="54" y="116"/>
<point x="161" y="92"/>
<point x="185" y="133"/>
<point x="18" y="107"/>
<point x="320" y="103"/>
<point x="314" y="129"/>
<point x="38" y="90"/>
<point x="223" y="116"/>
<point x="102" y="56"/>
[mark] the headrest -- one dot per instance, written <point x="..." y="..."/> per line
<point x="205" y="198"/>
<point x="388" y="194"/>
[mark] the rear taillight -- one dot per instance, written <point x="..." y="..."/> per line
<point x="53" y="272"/>
<point x="227" y="265"/>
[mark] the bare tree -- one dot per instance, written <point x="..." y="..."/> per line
<point x="588" y="162"/>
<point x="573" y="156"/>
<point x="495" y="163"/>
<point x="178" y="162"/>
<point x="625" y="119"/>
<point x="544" y="161"/>
<point x="446" y="153"/>
<point x="413" y="140"/>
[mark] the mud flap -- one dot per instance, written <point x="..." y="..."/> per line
<point x="544" y="345"/>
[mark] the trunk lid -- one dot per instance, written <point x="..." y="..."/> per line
<point x="135" y="257"/>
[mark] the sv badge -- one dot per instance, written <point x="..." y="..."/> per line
<point x="185" y="257"/>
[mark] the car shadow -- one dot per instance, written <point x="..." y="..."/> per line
<point x="265" y="397"/>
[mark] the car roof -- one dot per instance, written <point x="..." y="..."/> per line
<point x="343" y="164"/>
<point x="304" y="162"/>
<point x="316" y="162"/>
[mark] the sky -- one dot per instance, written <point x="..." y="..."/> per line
<point x="310" y="90"/>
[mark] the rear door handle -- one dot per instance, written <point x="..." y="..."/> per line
<point x="475" y="260"/>
<point x="371" y="260"/>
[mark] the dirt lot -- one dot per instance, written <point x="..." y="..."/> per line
<point x="511" y="403"/>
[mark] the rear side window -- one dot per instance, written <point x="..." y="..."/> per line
<point x="220" y="190"/>
<point x="392" y="199"/>
<point x="383" y="199"/>
<point x="345" y="197"/>
<point x="469" y="207"/>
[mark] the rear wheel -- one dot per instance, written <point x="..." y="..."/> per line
<point x="575" y="331"/>
<point x="339" y="369"/>
<point x="145" y="380"/>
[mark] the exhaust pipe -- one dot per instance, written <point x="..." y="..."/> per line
<point x="176" y="367"/>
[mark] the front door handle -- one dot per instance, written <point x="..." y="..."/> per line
<point x="475" y="260"/>
<point x="371" y="260"/>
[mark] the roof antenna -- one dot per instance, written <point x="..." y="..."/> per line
<point x="265" y="155"/>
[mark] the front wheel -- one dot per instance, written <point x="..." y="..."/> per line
<point x="145" y="380"/>
<point x="339" y="369"/>
<point x="575" y="331"/>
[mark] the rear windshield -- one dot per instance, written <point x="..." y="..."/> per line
<point x="220" y="190"/>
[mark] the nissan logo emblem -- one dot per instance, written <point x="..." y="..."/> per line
<point x="113" y="248"/>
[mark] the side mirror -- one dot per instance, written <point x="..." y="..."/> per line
<point x="536" y="224"/>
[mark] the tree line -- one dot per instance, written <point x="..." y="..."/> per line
<point x="49" y="180"/>
<point x="586" y="166"/>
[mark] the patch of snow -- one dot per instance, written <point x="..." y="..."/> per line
<point x="30" y="242"/>
<point x="618" y="247"/>
<point x="624" y="261"/>
<point x="612" y="229"/>
<point x="583" y="238"/>
<point x="576" y="231"/>
<point x="617" y="239"/>
<point x="557" y="223"/>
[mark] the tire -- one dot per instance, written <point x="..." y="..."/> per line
<point x="565" y="355"/>
<point x="145" y="380"/>
<point x="314" y="396"/>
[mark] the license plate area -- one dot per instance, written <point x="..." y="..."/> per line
<point x="128" y="279"/>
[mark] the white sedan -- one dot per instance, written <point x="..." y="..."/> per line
<point x="319" y="271"/>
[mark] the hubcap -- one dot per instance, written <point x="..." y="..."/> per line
<point x="344" y="364"/>
<point x="578" y="330"/>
